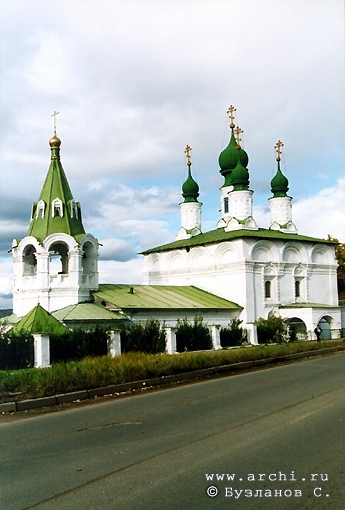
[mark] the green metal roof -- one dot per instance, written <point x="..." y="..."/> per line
<point x="56" y="186"/>
<point x="219" y="234"/>
<point x="158" y="297"/>
<point x="87" y="312"/>
<point x="38" y="320"/>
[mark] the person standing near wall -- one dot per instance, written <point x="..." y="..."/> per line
<point x="318" y="332"/>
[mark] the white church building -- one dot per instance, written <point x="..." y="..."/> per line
<point x="238" y="270"/>
<point x="267" y="271"/>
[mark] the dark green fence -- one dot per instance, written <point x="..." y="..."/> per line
<point x="16" y="352"/>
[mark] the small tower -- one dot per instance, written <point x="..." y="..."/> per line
<point x="56" y="264"/>
<point x="190" y="208"/>
<point x="280" y="203"/>
<point x="236" y="197"/>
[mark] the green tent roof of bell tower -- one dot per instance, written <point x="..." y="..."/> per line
<point x="56" y="211"/>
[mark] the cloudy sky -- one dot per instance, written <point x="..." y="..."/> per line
<point x="136" y="81"/>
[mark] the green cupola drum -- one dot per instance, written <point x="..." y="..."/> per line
<point x="236" y="198"/>
<point x="190" y="208"/>
<point x="233" y="153"/>
<point x="280" y="202"/>
<point x="279" y="183"/>
<point x="190" y="188"/>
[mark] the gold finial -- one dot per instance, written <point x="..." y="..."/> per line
<point x="231" y="112"/>
<point x="277" y="147"/>
<point x="187" y="153"/>
<point x="55" y="142"/>
<point x="238" y="131"/>
<point x="54" y="115"/>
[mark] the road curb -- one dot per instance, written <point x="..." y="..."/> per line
<point x="76" y="396"/>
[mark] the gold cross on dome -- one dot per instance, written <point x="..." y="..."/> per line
<point x="277" y="147"/>
<point x="231" y="112"/>
<point x="187" y="153"/>
<point x="54" y="115"/>
<point x="238" y="131"/>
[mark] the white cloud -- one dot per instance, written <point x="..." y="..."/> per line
<point x="136" y="81"/>
<point x="323" y="214"/>
<point x="116" y="249"/>
<point x="318" y="216"/>
<point x="121" y="272"/>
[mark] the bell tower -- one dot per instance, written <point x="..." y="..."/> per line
<point x="56" y="264"/>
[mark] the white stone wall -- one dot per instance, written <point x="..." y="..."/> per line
<point x="237" y="270"/>
<point x="170" y="317"/>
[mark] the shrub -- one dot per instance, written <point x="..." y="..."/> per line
<point x="272" y="330"/>
<point x="148" y="337"/>
<point x="78" y="344"/>
<point x="233" y="334"/>
<point x="192" y="337"/>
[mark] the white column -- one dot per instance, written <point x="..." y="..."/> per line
<point x="42" y="350"/>
<point x="170" y="340"/>
<point x="215" y="333"/>
<point x="252" y="333"/>
<point x="114" y="343"/>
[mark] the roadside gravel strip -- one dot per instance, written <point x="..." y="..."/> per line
<point x="77" y="396"/>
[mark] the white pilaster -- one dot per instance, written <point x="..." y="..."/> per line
<point x="170" y="340"/>
<point x="215" y="334"/>
<point x="114" y="343"/>
<point x="252" y="333"/>
<point x="42" y="350"/>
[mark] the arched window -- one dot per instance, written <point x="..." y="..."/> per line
<point x="73" y="209"/>
<point x="40" y="209"/>
<point x="297" y="288"/>
<point x="268" y="288"/>
<point x="57" y="208"/>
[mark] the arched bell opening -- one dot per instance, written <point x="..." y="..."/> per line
<point x="58" y="259"/>
<point x="29" y="260"/>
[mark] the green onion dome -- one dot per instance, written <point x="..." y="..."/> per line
<point x="240" y="176"/>
<point x="279" y="184"/>
<point x="190" y="188"/>
<point x="229" y="158"/>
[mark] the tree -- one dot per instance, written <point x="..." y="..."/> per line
<point x="233" y="334"/>
<point x="272" y="330"/>
<point x="148" y="336"/>
<point x="193" y="337"/>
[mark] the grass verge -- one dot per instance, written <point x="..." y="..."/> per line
<point x="104" y="370"/>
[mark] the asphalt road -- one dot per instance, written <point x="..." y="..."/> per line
<point x="279" y="433"/>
